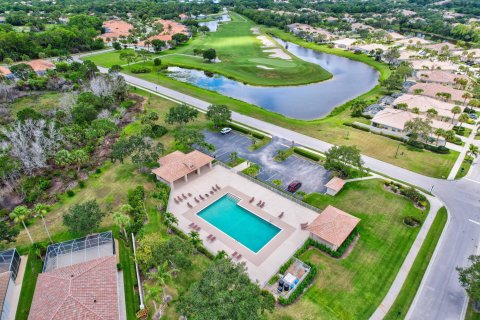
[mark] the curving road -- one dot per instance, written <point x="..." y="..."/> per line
<point x="440" y="295"/>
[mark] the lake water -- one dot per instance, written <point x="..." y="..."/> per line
<point x="213" y="25"/>
<point x="350" y="79"/>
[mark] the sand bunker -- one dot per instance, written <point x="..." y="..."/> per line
<point x="264" y="67"/>
<point x="266" y="41"/>
<point x="278" y="53"/>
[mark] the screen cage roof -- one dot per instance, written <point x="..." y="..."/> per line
<point x="10" y="261"/>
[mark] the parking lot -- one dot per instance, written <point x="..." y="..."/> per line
<point x="312" y="176"/>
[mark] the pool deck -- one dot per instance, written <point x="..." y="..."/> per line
<point x="263" y="265"/>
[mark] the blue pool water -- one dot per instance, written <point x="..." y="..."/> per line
<point x="240" y="224"/>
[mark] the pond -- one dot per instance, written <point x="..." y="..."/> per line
<point x="350" y="79"/>
<point x="213" y="25"/>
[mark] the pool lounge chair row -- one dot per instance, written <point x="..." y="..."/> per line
<point x="194" y="226"/>
<point x="236" y="255"/>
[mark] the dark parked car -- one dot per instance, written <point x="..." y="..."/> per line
<point x="294" y="186"/>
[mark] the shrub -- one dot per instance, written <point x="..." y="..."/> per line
<point x="359" y="127"/>
<point x="306" y="154"/>
<point x="157" y="62"/>
<point x="239" y="128"/>
<point x="412" y="194"/>
<point x="258" y="135"/>
<point x="70" y="193"/>
<point x="140" y="69"/>
<point x="438" y="149"/>
<point x="252" y="171"/>
<point x="98" y="170"/>
<point x="81" y="184"/>
<point x="412" y="221"/>
<point x="127" y="104"/>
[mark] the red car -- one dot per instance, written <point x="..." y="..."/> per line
<point x="294" y="186"/>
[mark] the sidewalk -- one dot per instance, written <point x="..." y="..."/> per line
<point x="402" y="274"/>
<point x="460" y="158"/>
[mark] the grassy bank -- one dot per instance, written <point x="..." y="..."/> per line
<point x="348" y="288"/>
<point x="409" y="289"/>
<point x="33" y="268"/>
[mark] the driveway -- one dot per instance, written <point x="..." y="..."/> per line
<point x="313" y="176"/>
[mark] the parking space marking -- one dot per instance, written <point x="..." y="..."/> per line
<point x="473" y="221"/>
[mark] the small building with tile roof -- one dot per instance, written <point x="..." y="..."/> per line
<point x="178" y="165"/>
<point x="332" y="227"/>
<point x="41" y="66"/>
<point x="5" y="72"/>
<point x="334" y="186"/>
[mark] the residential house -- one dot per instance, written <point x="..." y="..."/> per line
<point x="439" y="76"/>
<point x="332" y="227"/>
<point x="80" y="281"/>
<point x="424" y="103"/>
<point x="370" y="47"/>
<point x="9" y="267"/>
<point x="5" y="72"/>
<point x="433" y="89"/>
<point x="345" y="43"/>
<point x="434" y="65"/>
<point x="115" y="29"/>
<point x="170" y="28"/>
<point x="412" y="41"/>
<point x="183" y="16"/>
<point x="308" y="32"/>
<point x="439" y="47"/>
<point x="41" y="66"/>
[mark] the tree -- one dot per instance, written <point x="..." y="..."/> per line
<point x="41" y="210"/>
<point x="455" y="110"/>
<point x="463" y="118"/>
<point x="432" y="113"/>
<point x="472" y="151"/>
<point x="440" y="133"/>
<point x="187" y="137"/>
<point x="405" y="70"/>
<point x="22" y="71"/>
<point x="83" y="218"/>
<point x="225" y="284"/>
<point x="158" y="45"/>
<point x="117" y="46"/>
<point x="391" y="55"/>
<point x="194" y="238"/>
<point x="170" y="220"/>
<point x="161" y="277"/>
<point x="19" y="215"/>
<point x="115" y="69"/>
<point x="180" y="38"/>
<point x="79" y="157"/>
<point x="157" y="62"/>
<point x="233" y="157"/>
<point x="7" y="233"/>
<point x="181" y="114"/>
<point x="358" y="106"/>
<point x="393" y="82"/>
<point x="466" y="96"/>
<point x="342" y="158"/>
<point x="210" y="54"/>
<point x="219" y="114"/>
<point x="122" y="221"/>
<point x="143" y="54"/>
<point x="128" y="56"/>
<point x="469" y="278"/>
<point x="418" y="129"/>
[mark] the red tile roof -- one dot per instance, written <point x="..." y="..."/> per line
<point x="4" y="282"/>
<point x="335" y="184"/>
<point x="40" y="65"/>
<point x="169" y="29"/>
<point x="5" y="71"/>
<point x="115" y="29"/>
<point x="177" y="164"/>
<point x="82" y="291"/>
<point x="333" y="225"/>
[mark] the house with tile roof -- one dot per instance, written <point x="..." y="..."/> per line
<point x="424" y="103"/>
<point x="433" y="89"/>
<point x="41" y="66"/>
<point x="115" y="29"/>
<point x="5" y="72"/>
<point x="439" y="76"/>
<point x="332" y="227"/>
<point x="334" y="186"/>
<point x="80" y="281"/>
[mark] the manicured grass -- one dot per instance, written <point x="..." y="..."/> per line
<point x="33" y="268"/>
<point x="353" y="287"/>
<point x="409" y="289"/>
<point x="464" y="168"/>
<point x="129" y="280"/>
<point x="39" y="102"/>
<point x="330" y="128"/>
<point x="471" y="314"/>
<point x="238" y="50"/>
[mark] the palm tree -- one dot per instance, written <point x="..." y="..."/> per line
<point x="170" y="220"/>
<point x="161" y="276"/>
<point x="122" y="221"/>
<point x="41" y="210"/>
<point x="20" y="214"/>
<point x="455" y="110"/>
<point x="233" y="157"/>
<point x="463" y="118"/>
<point x="152" y="294"/>
<point x="472" y="151"/>
<point x="195" y="239"/>
<point x="432" y="113"/>
<point x="440" y="133"/>
<point x="466" y="96"/>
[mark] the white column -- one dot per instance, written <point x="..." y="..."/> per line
<point x="186" y="178"/>
<point x="198" y="171"/>
<point x="210" y="165"/>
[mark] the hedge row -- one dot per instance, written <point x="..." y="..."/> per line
<point x="306" y="154"/>
<point x="301" y="287"/>
<point x="356" y="126"/>
<point x="246" y="131"/>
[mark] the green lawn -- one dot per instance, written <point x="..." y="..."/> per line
<point x="471" y="314"/>
<point x="409" y="289"/>
<point x="39" y="102"/>
<point x="239" y="52"/>
<point x="129" y="280"/>
<point x="353" y="287"/>
<point x="33" y="268"/>
<point x="464" y="168"/>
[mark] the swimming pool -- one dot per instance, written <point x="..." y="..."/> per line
<point x="240" y="224"/>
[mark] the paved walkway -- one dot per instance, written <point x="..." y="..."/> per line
<point x="384" y="307"/>
<point x="460" y="158"/>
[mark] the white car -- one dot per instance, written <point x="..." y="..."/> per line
<point x="225" y="130"/>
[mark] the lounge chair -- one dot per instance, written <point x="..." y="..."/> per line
<point x="191" y="225"/>
<point x="189" y="194"/>
<point x="206" y="195"/>
<point x="262" y="205"/>
<point x="304" y="225"/>
<point x="213" y="238"/>
<point x="189" y="205"/>
<point x="184" y="196"/>
<point x="176" y="201"/>
<point x="180" y="199"/>
<point x="197" y="228"/>
<point x="234" y="254"/>
<point x="281" y="215"/>
<point x="196" y="200"/>
<point x="218" y="187"/>
<point x="209" y="236"/>
<point x="213" y="188"/>
<point x="253" y="199"/>
<point x="200" y="196"/>
<point x="239" y="257"/>
<point x="211" y="192"/>
<point x="259" y="203"/>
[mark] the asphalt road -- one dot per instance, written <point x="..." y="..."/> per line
<point x="440" y="295"/>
